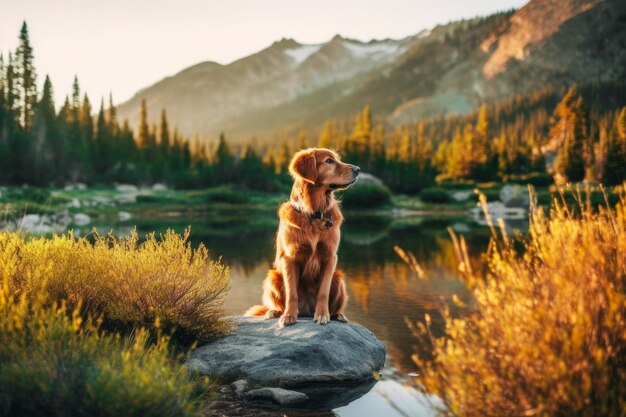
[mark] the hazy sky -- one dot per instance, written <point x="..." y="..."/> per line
<point x="124" y="45"/>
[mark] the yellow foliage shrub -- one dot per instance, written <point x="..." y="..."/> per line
<point x="82" y="324"/>
<point x="546" y="334"/>
<point x="123" y="282"/>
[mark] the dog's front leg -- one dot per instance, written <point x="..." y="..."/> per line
<point x="322" y="314"/>
<point x="290" y="276"/>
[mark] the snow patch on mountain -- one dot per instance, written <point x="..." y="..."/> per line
<point x="301" y="53"/>
<point x="372" y="50"/>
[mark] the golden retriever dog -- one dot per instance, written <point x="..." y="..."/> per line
<point x="305" y="281"/>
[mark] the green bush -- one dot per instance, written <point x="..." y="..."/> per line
<point x="55" y="363"/>
<point x="35" y="195"/>
<point x="450" y="184"/>
<point x="227" y="194"/>
<point x="437" y="195"/>
<point x="537" y="179"/>
<point x="492" y="194"/>
<point x="154" y="199"/>
<point x="366" y="195"/>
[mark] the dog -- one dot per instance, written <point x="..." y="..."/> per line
<point x="305" y="281"/>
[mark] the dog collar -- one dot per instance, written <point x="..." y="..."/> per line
<point x="318" y="215"/>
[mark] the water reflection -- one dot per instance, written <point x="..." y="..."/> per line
<point x="384" y="292"/>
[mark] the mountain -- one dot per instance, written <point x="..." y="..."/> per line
<point x="449" y="69"/>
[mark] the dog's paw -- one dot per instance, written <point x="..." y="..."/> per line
<point x="287" y="320"/>
<point x="322" y="318"/>
<point x="272" y="314"/>
<point x="342" y="318"/>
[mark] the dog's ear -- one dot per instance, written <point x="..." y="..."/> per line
<point x="304" y="166"/>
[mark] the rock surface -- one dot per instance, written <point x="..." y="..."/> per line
<point x="278" y="395"/>
<point x="305" y="353"/>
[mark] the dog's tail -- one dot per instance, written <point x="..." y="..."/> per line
<point x="256" y="311"/>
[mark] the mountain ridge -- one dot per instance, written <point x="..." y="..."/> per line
<point x="450" y="68"/>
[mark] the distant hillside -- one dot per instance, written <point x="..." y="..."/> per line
<point x="451" y="68"/>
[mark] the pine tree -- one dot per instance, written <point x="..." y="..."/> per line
<point x="570" y="128"/>
<point x="357" y="148"/>
<point x="12" y="100"/>
<point x="112" y="117"/>
<point x="25" y="79"/>
<point x="143" y="135"/>
<point x="303" y="140"/>
<point x="378" y="152"/>
<point x="164" y="136"/>
<point x="101" y="143"/>
<point x="327" y="136"/>
<point x="615" y="166"/>
<point x="4" y="148"/>
<point x="75" y="105"/>
<point x="86" y="122"/>
<point x="224" y="160"/>
<point x="47" y="148"/>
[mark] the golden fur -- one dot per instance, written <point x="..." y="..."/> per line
<point x="304" y="281"/>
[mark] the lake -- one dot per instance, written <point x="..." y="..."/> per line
<point x="384" y="292"/>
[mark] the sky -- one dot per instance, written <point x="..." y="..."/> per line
<point x="121" y="46"/>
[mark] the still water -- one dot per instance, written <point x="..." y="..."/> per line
<point x="384" y="292"/>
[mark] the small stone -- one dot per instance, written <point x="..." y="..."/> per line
<point x="278" y="395"/>
<point x="81" y="219"/>
<point x="124" y="215"/>
<point x="239" y="386"/>
<point x="126" y="188"/>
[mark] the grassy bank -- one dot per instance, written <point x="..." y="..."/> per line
<point x="87" y="327"/>
<point x="546" y="333"/>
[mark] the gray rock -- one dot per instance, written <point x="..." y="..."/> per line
<point x="514" y="195"/>
<point x="278" y="395"/>
<point x="462" y="195"/>
<point x="81" y="219"/>
<point x="124" y="215"/>
<point x="239" y="386"/>
<point x="126" y="188"/>
<point x="305" y="353"/>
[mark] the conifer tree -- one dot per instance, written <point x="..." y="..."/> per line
<point x="26" y="79"/>
<point x="111" y="117"/>
<point x="4" y="148"/>
<point x="143" y="134"/>
<point x="327" y="136"/>
<point x="101" y="143"/>
<point x="569" y="127"/>
<point x="378" y="152"/>
<point x="615" y="166"/>
<point x="12" y="101"/>
<point x="224" y="160"/>
<point x="46" y="146"/>
<point x="164" y="136"/>
<point x="86" y="122"/>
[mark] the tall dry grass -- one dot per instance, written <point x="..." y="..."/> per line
<point x="546" y="334"/>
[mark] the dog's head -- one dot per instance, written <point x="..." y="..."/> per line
<point x="323" y="167"/>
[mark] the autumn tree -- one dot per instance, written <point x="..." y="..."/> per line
<point x="569" y="127"/>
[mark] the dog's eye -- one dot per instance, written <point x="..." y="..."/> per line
<point x="330" y="161"/>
